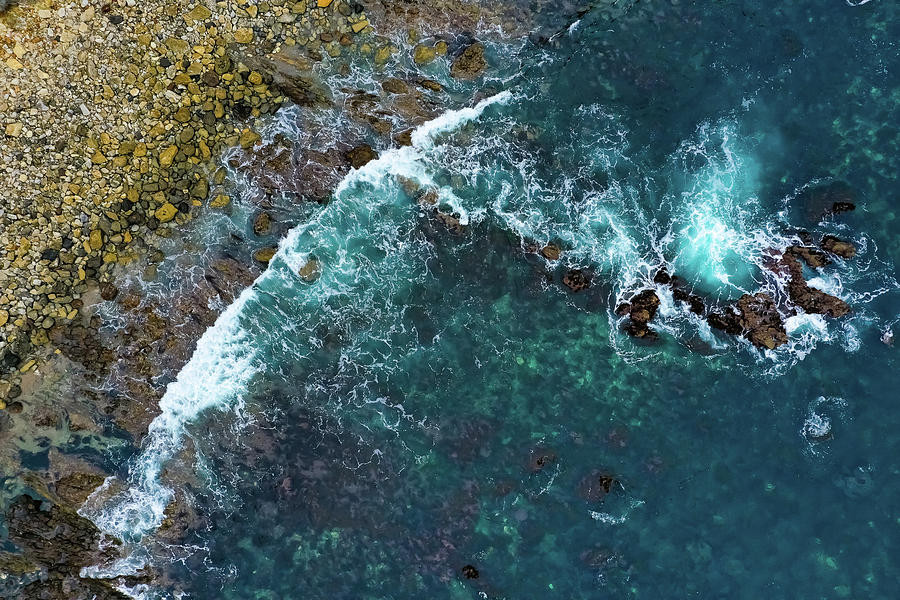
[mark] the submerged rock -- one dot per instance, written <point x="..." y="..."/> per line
<point x="823" y="200"/>
<point x="760" y="321"/>
<point x="595" y="486"/>
<point x="470" y="572"/>
<point x="540" y="458"/>
<point x="641" y="310"/>
<point x="576" y="280"/>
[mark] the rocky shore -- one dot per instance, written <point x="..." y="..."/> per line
<point x="115" y="120"/>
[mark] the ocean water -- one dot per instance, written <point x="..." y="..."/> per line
<point x="405" y="399"/>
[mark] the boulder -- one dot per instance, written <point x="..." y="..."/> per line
<point x="310" y="271"/>
<point x="551" y="251"/>
<point x="108" y="291"/>
<point x="470" y="63"/>
<point x="838" y="247"/>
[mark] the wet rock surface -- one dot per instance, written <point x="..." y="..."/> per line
<point x="577" y="280"/>
<point x="54" y="544"/>
<point x="760" y="320"/>
<point x="838" y="246"/>
<point x="808" y="298"/>
<point x="470" y="63"/>
<point x="640" y="310"/>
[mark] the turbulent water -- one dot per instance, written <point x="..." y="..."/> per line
<point x="403" y="400"/>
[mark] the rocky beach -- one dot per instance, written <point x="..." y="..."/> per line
<point x="235" y="237"/>
<point x="118" y="119"/>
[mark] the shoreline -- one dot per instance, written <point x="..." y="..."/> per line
<point x="124" y="187"/>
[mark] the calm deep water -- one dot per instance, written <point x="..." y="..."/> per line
<point x="437" y="403"/>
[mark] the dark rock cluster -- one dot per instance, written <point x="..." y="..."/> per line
<point x="53" y="544"/>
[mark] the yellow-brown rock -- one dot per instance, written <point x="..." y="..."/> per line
<point x="165" y="213"/>
<point x="167" y="156"/>
<point x="243" y="35"/>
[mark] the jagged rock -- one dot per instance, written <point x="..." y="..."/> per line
<point x="811" y="299"/>
<point x="76" y="487"/>
<point x="470" y="572"/>
<point x="694" y="302"/>
<point x="55" y="543"/>
<point x="470" y="64"/>
<point x="816" y="301"/>
<point x="760" y="321"/>
<point x="641" y="310"/>
<point x="814" y="258"/>
<point x="450" y="221"/>
<point x="292" y="73"/>
<point x="644" y="306"/>
<point x="228" y="277"/>
<point x="662" y="277"/>
<point x="392" y="85"/>
<point x="725" y="321"/>
<point x="838" y="247"/>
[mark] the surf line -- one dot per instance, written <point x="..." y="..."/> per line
<point x="226" y="359"/>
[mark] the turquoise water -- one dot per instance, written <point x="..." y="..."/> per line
<point x="429" y="401"/>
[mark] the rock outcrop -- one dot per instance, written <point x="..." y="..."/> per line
<point x="760" y="320"/>
<point x="54" y="543"/>
<point x="838" y="247"/>
<point x="640" y="309"/>
<point x="470" y="64"/>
